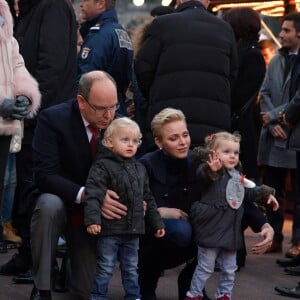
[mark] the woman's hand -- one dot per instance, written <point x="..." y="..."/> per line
<point x="267" y="233"/>
<point x="111" y="208"/>
<point x="159" y="233"/>
<point x="172" y="213"/>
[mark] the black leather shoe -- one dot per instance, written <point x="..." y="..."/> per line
<point x="292" y="270"/>
<point x="289" y="292"/>
<point x="37" y="294"/>
<point x="16" y="265"/>
<point x="289" y="262"/>
<point x="23" y="278"/>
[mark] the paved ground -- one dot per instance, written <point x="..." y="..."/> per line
<point x="254" y="282"/>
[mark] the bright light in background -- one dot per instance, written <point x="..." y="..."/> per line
<point x="165" y="2"/>
<point x="138" y="2"/>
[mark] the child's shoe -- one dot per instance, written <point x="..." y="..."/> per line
<point x="224" y="297"/>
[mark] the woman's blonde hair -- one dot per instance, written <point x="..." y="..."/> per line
<point x="123" y="122"/>
<point x="213" y="140"/>
<point x="165" y="116"/>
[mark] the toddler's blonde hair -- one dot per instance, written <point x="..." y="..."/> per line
<point x="123" y="122"/>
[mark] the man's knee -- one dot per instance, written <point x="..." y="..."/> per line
<point x="49" y="207"/>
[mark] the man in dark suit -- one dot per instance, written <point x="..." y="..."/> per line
<point x="180" y="50"/>
<point x="62" y="157"/>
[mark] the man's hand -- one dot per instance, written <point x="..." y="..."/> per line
<point x="111" y="208"/>
<point x="267" y="233"/>
<point x="283" y="121"/>
<point x="265" y="118"/>
<point x="93" y="229"/>
<point x="172" y="213"/>
<point x="278" y="132"/>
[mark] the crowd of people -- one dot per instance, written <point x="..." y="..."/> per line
<point x="145" y="180"/>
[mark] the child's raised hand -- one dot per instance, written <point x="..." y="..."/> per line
<point x="159" y="233"/>
<point x="214" y="162"/>
<point x="273" y="202"/>
<point x="94" y="229"/>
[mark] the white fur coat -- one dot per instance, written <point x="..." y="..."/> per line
<point x="14" y="78"/>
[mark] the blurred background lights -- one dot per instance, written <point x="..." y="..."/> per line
<point x="138" y="2"/>
<point x="166" y="2"/>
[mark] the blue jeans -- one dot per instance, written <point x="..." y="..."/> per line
<point x="10" y="181"/>
<point x="125" y="249"/>
<point x="179" y="232"/>
<point x="205" y="268"/>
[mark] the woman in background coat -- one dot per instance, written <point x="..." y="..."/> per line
<point x="246" y="24"/>
<point x="19" y="93"/>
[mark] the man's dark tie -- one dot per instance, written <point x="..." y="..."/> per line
<point x="76" y="218"/>
<point x="93" y="142"/>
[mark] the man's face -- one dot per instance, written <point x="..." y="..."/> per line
<point x="268" y="54"/>
<point x="91" y="8"/>
<point x="99" y="109"/>
<point x="289" y="36"/>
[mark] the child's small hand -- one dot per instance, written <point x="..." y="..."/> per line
<point x="273" y="202"/>
<point x="93" y="229"/>
<point x="214" y="162"/>
<point x="159" y="233"/>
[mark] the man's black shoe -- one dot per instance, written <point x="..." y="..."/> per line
<point x="24" y="278"/>
<point x="292" y="270"/>
<point x="289" y="292"/>
<point x="289" y="262"/>
<point x="37" y="294"/>
<point x="16" y="265"/>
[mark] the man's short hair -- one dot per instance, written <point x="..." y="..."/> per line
<point x="295" y="18"/>
<point x="86" y="81"/>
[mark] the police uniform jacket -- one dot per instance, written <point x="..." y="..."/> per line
<point x="187" y="61"/>
<point x="129" y="179"/>
<point x="107" y="47"/>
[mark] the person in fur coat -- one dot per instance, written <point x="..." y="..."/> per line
<point x="19" y="92"/>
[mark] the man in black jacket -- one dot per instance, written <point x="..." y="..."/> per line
<point x="188" y="61"/>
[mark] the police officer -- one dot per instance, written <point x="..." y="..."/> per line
<point x="106" y="45"/>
